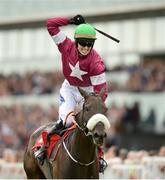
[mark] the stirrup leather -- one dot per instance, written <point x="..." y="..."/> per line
<point x="40" y="154"/>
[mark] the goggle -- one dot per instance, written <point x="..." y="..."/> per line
<point x="85" y="42"/>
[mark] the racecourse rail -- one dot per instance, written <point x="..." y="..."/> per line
<point x="149" y="168"/>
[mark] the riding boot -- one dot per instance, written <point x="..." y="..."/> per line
<point x="56" y="129"/>
<point x="40" y="154"/>
<point x="102" y="163"/>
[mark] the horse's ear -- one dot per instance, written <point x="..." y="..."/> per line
<point x="102" y="92"/>
<point x="82" y="92"/>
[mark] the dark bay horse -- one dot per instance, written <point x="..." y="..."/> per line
<point x="77" y="157"/>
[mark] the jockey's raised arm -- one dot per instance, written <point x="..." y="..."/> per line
<point x="94" y="75"/>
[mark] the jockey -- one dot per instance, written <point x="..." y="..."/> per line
<point x="82" y="67"/>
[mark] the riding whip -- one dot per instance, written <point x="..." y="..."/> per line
<point x="107" y="35"/>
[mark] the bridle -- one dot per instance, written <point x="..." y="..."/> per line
<point x="84" y="129"/>
<point x="87" y="133"/>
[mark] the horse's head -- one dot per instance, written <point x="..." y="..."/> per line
<point x="93" y="116"/>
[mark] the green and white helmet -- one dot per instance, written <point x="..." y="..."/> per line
<point x="85" y="31"/>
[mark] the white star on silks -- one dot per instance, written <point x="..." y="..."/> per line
<point x="76" y="71"/>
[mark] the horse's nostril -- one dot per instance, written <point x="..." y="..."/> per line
<point x="96" y="135"/>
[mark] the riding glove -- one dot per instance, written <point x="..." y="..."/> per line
<point x="78" y="19"/>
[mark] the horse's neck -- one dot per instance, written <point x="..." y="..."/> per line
<point x="82" y="146"/>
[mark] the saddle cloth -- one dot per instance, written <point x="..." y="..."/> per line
<point x="54" y="144"/>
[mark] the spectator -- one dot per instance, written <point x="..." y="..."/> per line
<point x="123" y="154"/>
<point x="162" y="151"/>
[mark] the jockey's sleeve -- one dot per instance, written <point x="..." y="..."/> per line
<point x="98" y="77"/>
<point x="98" y="88"/>
<point x="61" y="40"/>
<point x="53" y="24"/>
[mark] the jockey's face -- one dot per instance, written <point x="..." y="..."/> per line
<point x="84" y="46"/>
<point x="83" y="50"/>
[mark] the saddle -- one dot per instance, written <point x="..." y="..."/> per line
<point x="54" y="143"/>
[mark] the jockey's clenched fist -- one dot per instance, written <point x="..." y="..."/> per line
<point x="78" y="19"/>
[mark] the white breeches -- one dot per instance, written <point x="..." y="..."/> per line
<point x="69" y="98"/>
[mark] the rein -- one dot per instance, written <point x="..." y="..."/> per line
<point x="73" y="159"/>
<point x="87" y="133"/>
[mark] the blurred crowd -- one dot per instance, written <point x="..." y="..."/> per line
<point x="136" y="164"/>
<point x="37" y="83"/>
<point x="132" y="156"/>
<point x="17" y="122"/>
<point x="148" y="77"/>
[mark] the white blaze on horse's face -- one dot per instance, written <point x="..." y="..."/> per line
<point x="98" y="118"/>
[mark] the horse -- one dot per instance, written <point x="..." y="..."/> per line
<point x="77" y="157"/>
